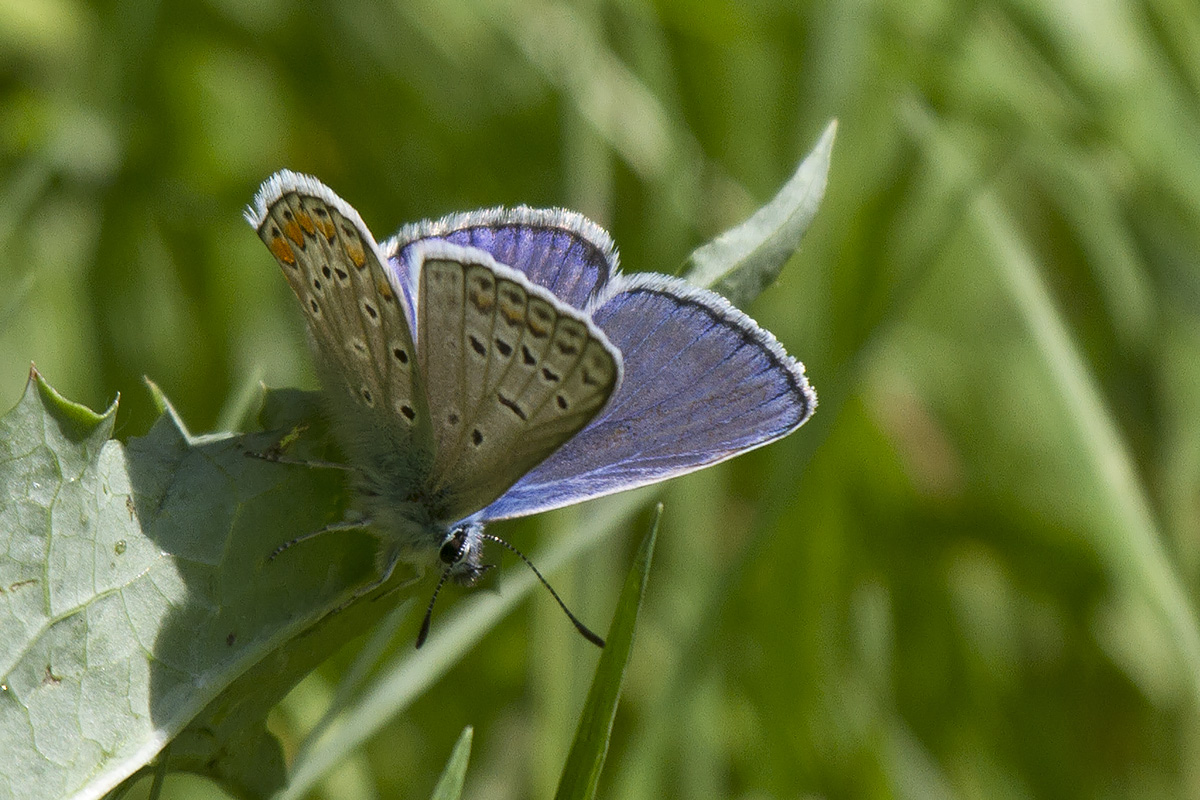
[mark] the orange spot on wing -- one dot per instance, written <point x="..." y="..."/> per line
<point x="325" y="226"/>
<point x="282" y="251"/>
<point x="481" y="300"/>
<point x="540" y="322"/>
<point x="354" y="249"/>
<point x="293" y="232"/>
<point x="306" y="222"/>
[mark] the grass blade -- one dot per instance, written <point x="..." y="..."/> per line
<point x="581" y="775"/>
<point x="450" y="785"/>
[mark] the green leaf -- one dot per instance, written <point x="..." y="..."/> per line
<point x="744" y="260"/>
<point x="67" y="540"/>
<point x="136" y="603"/>
<point x="450" y="785"/>
<point x="75" y="422"/>
<point x="581" y="774"/>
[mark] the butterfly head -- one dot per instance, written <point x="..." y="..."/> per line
<point x="461" y="551"/>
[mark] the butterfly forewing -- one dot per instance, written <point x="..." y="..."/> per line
<point x="364" y="343"/>
<point x="511" y="372"/>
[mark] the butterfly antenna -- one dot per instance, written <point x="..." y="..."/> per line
<point x="429" y="611"/>
<point x="579" y="626"/>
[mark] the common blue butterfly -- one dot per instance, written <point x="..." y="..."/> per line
<point x="496" y="363"/>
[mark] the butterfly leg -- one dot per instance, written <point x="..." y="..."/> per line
<point x="276" y="456"/>
<point x="348" y="525"/>
<point x="314" y="463"/>
<point x="389" y="566"/>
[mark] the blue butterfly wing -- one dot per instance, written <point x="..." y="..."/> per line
<point x="703" y="383"/>
<point x="557" y="249"/>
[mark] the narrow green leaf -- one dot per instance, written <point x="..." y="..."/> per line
<point x="450" y="785"/>
<point x="581" y="774"/>
<point x="243" y="406"/>
<point x="357" y="675"/>
<point x="745" y="259"/>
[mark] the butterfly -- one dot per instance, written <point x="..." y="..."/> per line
<point x="496" y="363"/>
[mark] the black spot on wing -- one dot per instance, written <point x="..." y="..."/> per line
<point x="512" y="406"/>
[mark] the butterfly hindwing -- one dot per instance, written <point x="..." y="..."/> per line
<point x="703" y="383"/>
<point x="561" y="250"/>
<point x="356" y="320"/>
<point x="512" y="373"/>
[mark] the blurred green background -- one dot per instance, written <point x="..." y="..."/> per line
<point x="973" y="574"/>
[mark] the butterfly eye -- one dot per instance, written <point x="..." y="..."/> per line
<point x="454" y="547"/>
